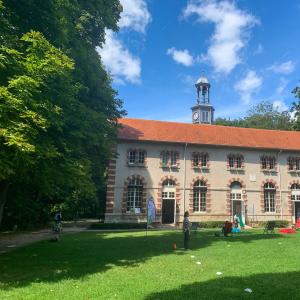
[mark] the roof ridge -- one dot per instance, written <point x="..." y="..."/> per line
<point x="211" y="125"/>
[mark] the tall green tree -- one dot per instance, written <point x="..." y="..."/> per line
<point x="296" y="108"/>
<point x="264" y="115"/>
<point x="58" y="109"/>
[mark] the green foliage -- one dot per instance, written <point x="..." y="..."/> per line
<point x="58" y="110"/>
<point x="211" y="224"/>
<point x="278" y="224"/>
<point x="104" y="226"/>
<point x="263" y="116"/>
<point x="296" y="108"/>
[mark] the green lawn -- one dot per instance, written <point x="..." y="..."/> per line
<point x="129" y="265"/>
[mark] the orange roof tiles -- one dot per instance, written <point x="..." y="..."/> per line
<point x="159" y="131"/>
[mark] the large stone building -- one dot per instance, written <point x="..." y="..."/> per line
<point x="211" y="171"/>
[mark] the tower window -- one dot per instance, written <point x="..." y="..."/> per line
<point x="205" y="116"/>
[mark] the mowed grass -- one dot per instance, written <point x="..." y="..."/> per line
<point x="129" y="265"/>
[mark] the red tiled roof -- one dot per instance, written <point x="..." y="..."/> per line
<point x="158" y="131"/>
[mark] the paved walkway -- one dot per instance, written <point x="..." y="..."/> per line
<point x="10" y="241"/>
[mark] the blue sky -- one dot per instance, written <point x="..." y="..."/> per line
<point x="248" y="49"/>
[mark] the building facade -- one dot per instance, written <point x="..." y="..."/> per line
<point x="211" y="171"/>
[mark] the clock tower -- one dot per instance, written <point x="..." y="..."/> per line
<point x="203" y="111"/>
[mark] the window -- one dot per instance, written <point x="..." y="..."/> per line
<point x="169" y="159"/>
<point x="134" y="195"/>
<point x="269" y="197"/>
<point x="200" y="160"/>
<point x="294" y="164"/>
<point x="136" y="157"/>
<point x="173" y="159"/>
<point x="199" y="196"/>
<point x="295" y="192"/>
<point x="204" y="116"/>
<point x="235" y="161"/>
<point x="268" y="163"/>
<point x="235" y="191"/>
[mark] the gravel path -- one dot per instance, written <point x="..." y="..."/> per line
<point x="10" y="241"/>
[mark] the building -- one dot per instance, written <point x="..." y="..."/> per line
<point x="211" y="171"/>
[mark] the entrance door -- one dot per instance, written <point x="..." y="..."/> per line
<point x="238" y="207"/>
<point x="168" y="211"/>
<point x="297" y="210"/>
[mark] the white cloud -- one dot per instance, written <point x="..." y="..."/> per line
<point x="230" y="35"/>
<point x="282" y="86"/>
<point x="135" y="15"/>
<point x="283" y="68"/>
<point x="181" y="56"/>
<point x="280" y="105"/>
<point x="119" y="61"/>
<point x="248" y="85"/>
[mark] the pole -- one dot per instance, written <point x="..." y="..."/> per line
<point x="184" y="180"/>
<point x="147" y="217"/>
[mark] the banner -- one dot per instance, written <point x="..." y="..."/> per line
<point x="151" y="211"/>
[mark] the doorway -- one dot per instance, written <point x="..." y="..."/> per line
<point x="168" y="211"/>
<point x="297" y="210"/>
<point x="238" y="207"/>
<point x="168" y="202"/>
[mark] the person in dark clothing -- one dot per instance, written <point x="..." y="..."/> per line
<point x="186" y="230"/>
<point x="227" y="228"/>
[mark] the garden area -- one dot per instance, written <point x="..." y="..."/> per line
<point x="131" y="265"/>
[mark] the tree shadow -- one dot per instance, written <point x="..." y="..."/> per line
<point x="263" y="286"/>
<point x="82" y="254"/>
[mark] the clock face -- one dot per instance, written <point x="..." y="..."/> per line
<point x="196" y="115"/>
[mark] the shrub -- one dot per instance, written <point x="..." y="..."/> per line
<point x="212" y="224"/>
<point x="118" y="226"/>
<point x="278" y="223"/>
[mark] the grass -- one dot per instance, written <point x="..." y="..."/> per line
<point x="129" y="265"/>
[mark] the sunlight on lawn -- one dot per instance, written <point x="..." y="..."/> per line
<point x="129" y="265"/>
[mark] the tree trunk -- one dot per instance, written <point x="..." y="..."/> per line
<point x="3" y="198"/>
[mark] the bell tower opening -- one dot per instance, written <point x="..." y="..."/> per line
<point x="203" y="111"/>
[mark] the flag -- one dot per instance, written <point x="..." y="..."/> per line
<point x="151" y="211"/>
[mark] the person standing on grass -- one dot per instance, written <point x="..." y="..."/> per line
<point x="186" y="230"/>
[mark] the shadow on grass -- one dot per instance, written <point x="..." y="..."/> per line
<point x="263" y="286"/>
<point x="79" y="255"/>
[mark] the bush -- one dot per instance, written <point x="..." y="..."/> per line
<point x="212" y="224"/>
<point x="118" y="226"/>
<point x="278" y="223"/>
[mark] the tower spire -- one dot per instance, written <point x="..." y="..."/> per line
<point x="203" y="111"/>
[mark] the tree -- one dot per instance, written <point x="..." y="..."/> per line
<point x="264" y="115"/>
<point x="296" y="109"/>
<point x="58" y="110"/>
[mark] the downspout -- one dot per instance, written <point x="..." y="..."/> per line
<point x="279" y="179"/>
<point x="184" y="178"/>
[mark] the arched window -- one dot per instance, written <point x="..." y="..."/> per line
<point x="169" y="182"/>
<point x="235" y="191"/>
<point x="295" y="192"/>
<point x="269" y="197"/>
<point x="199" y="196"/>
<point x="168" y="190"/>
<point x="134" y="195"/>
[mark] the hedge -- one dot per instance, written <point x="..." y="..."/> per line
<point x="118" y="226"/>
<point x="278" y="223"/>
